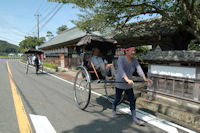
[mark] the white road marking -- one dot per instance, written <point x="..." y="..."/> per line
<point x="41" y="124"/>
<point x="153" y="120"/>
<point x="149" y="119"/>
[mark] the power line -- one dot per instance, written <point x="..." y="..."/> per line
<point x="36" y="11"/>
<point x="17" y="30"/>
<point x="8" y="39"/>
<point x="33" y="29"/>
<point x="41" y="5"/>
<point x="20" y="31"/>
<point x="51" y="17"/>
<point x="46" y="7"/>
<point x="46" y="16"/>
<point x="35" y="26"/>
<point x="51" y="14"/>
<point x="13" y="32"/>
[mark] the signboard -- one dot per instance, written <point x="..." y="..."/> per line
<point x="62" y="60"/>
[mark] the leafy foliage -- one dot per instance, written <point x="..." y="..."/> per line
<point x="30" y="42"/>
<point x="49" y="35"/>
<point x="194" y="45"/>
<point x="61" y="29"/>
<point x="141" y="50"/>
<point x="99" y="14"/>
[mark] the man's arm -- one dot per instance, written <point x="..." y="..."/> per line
<point x="141" y="73"/>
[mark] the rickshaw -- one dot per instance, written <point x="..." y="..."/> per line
<point x="28" y="61"/>
<point x="88" y="75"/>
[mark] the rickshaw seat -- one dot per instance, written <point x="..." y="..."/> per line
<point x="95" y="75"/>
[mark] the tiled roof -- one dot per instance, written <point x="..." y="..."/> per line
<point x="71" y="34"/>
<point x="172" y="56"/>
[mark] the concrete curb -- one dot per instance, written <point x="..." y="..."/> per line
<point x="179" y="115"/>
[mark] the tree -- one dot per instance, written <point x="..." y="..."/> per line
<point x="98" y="14"/>
<point x="61" y="29"/>
<point x="49" y="35"/>
<point x="194" y="46"/>
<point x="30" y="42"/>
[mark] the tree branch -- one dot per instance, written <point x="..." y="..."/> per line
<point x="157" y="10"/>
<point x="140" y="13"/>
<point x="192" y="5"/>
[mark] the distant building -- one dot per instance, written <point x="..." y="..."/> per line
<point x="20" y="54"/>
<point x="11" y="54"/>
<point x="64" y="47"/>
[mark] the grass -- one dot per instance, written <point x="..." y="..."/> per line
<point x="49" y="65"/>
<point x="3" y="56"/>
<point x="10" y="57"/>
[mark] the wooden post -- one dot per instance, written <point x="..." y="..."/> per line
<point x="196" y="92"/>
<point x="173" y="86"/>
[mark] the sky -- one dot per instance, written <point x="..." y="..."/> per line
<point x="17" y="18"/>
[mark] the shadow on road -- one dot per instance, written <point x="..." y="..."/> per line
<point x="120" y="124"/>
<point x="98" y="105"/>
<point x="39" y="73"/>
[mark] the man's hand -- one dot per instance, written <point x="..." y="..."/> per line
<point x="109" y="65"/>
<point x="147" y="80"/>
<point x="130" y="82"/>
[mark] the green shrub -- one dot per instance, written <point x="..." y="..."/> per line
<point x="49" y="65"/>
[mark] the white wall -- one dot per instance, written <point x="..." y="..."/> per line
<point x="187" y="72"/>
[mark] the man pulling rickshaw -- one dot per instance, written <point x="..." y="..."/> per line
<point x="86" y="75"/>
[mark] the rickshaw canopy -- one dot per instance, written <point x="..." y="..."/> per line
<point x="89" y="39"/>
<point x="33" y="51"/>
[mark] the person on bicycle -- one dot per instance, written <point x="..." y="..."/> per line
<point x="127" y="65"/>
<point x="99" y="64"/>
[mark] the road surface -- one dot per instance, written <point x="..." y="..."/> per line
<point x="49" y="106"/>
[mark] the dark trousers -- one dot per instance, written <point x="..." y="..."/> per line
<point x="37" y="67"/>
<point x="129" y="94"/>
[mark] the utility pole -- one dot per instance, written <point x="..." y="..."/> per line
<point x="38" y="30"/>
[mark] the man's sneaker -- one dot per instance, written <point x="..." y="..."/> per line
<point x="135" y="120"/>
<point x="114" y="113"/>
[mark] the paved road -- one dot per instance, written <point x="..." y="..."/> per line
<point x="48" y="96"/>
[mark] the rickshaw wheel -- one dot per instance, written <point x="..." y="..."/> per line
<point x="82" y="89"/>
<point x="110" y="92"/>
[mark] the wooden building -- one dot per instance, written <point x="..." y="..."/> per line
<point x="64" y="50"/>
<point x="175" y="73"/>
<point x="155" y="31"/>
